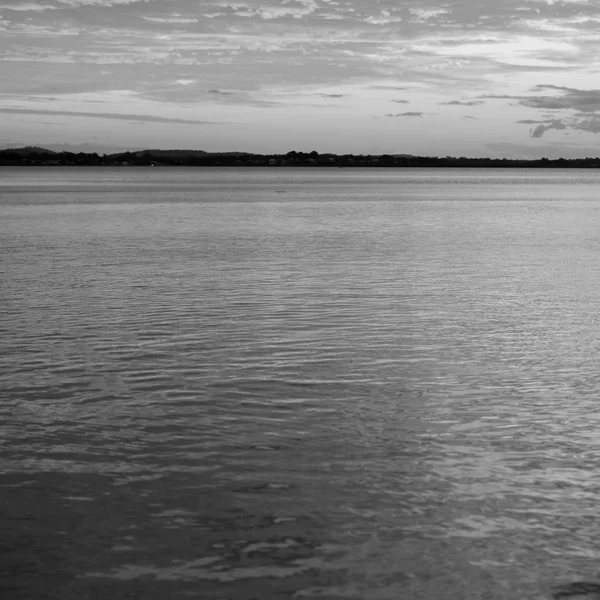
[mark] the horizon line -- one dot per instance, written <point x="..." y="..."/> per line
<point x="41" y="149"/>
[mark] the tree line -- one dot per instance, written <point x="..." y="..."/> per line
<point x="198" y="158"/>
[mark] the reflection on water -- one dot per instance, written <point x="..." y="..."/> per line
<point x="389" y="396"/>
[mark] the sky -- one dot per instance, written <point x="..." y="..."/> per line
<point x="498" y="78"/>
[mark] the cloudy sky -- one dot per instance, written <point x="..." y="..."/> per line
<point x="515" y="78"/>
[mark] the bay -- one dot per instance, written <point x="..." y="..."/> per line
<point x="299" y="383"/>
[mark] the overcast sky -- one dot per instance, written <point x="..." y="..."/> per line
<point x="463" y="77"/>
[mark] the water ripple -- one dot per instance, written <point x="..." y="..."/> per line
<point x="391" y="398"/>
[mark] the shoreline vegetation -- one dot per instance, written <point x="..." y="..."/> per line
<point x="35" y="156"/>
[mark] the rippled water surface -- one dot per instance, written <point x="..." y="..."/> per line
<point x="282" y="384"/>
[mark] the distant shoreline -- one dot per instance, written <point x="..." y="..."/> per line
<point x="40" y="157"/>
<point x="300" y="167"/>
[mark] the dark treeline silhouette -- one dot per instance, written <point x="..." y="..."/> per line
<point x="197" y="158"/>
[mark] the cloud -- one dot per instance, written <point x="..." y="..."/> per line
<point x="28" y="6"/>
<point x="102" y="3"/>
<point x="462" y="103"/>
<point x="227" y="54"/>
<point x="292" y="9"/>
<point x="425" y="14"/>
<point x="416" y="41"/>
<point x="92" y="115"/>
<point x="406" y="114"/>
<point x="194" y="92"/>
<point x="566" y="98"/>
<point x="540" y="130"/>
<point x="385" y="17"/>
<point x="171" y="19"/>
<point x="221" y="93"/>
<point x="587" y="124"/>
<point x="582" y="108"/>
<point x="388" y="87"/>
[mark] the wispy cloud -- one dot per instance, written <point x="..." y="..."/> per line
<point x="221" y="93"/>
<point x="388" y="87"/>
<point x="102" y="115"/>
<point x="564" y="98"/>
<point x="28" y="6"/>
<point x="527" y="58"/>
<point x="462" y="103"/>
<point x="406" y="114"/>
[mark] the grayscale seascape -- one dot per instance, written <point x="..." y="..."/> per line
<point x="248" y="384"/>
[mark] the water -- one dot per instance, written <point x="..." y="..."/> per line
<point x="285" y="384"/>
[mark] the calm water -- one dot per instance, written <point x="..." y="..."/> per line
<point x="294" y="384"/>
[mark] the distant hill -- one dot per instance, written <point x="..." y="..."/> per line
<point x="229" y="154"/>
<point x="184" y="153"/>
<point x="29" y="150"/>
<point x="170" y="153"/>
